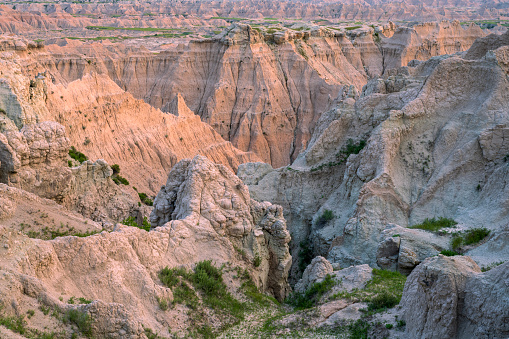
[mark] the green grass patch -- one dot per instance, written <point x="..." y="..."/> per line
<point x="324" y="218"/>
<point x="351" y="28"/>
<point x="435" y="225"/>
<point x="81" y="319"/>
<point x="312" y="295"/>
<point x="383" y="291"/>
<point x="469" y="237"/>
<point x="76" y="155"/>
<point x="359" y="329"/>
<point x="15" y="324"/>
<point x="131" y="221"/>
<point x="449" y="253"/>
<point x="145" y="199"/>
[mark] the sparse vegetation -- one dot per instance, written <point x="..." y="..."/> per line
<point x="491" y="266"/>
<point x="469" y="237"/>
<point x="449" y="253"/>
<point x="359" y="329"/>
<point x="145" y="199"/>
<point x="350" y="148"/>
<point x="81" y="319"/>
<point x="163" y="303"/>
<point x="257" y="261"/>
<point x="383" y="291"/>
<point x="435" y="225"/>
<point x="312" y="296"/>
<point x="324" y="218"/>
<point x="46" y="233"/>
<point x="131" y="221"/>
<point x="204" y="287"/>
<point x="76" y="155"/>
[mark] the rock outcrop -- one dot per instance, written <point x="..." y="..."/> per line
<point x="449" y="297"/>
<point x="422" y="146"/>
<point x="315" y="272"/>
<point x="212" y="218"/>
<point x="207" y="195"/>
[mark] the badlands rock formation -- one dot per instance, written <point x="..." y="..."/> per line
<point x="104" y="122"/>
<point x="264" y="92"/>
<point x="341" y="137"/>
<point x="165" y="13"/>
<point x="212" y="219"/>
<point x="211" y="196"/>
<point x="431" y="150"/>
<point x="450" y="298"/>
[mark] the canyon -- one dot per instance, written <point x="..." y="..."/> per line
<point x="243" y="169"/>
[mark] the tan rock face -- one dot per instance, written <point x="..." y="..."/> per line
<point x="209" y="195"/>
<point x="104" y="122"/>
<point x="427" y="40"/>
<point x="33" y="159"/>
<point x="262" y="98"/>
<point x="213" y="219"/>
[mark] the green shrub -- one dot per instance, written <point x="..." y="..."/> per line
<point x="163" y="303"/>
<point x="359" y="329"/>
<point x="389" y="326"/>
<point x="475" y="235"/>
<point x="448" y="253"/>
<point x="324" y="218"/>
<point x="435" y="225"/>
<point x="115" y="168"/>
<point x="171" y="276"/>
<point x="469" y="237"/>
<point x="69" y="163"/>
<point x="456" y="242"/>
<point x="312" y="295"/>
<point x="257" y="261"/>
<point x="120" y="180"/>
<point x="81" y="320"/>
<point x="131" y="221"/>
<point x="78" y="156"/>
<point x="400" y="323"/>
<point x="208" y="278"/>
<point x="349" y="149"/>
<point x="84" y="301"/>
<point x="145" y="199"/>
<point x="382" y="302"/>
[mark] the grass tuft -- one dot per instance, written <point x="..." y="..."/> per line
<point x="435" y="225"/>
<point x="324" y="218"/>
<point x="470" y="237"/>
<point x="449" y="253"/>
<point x="313" y="294"/>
